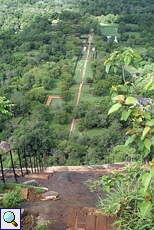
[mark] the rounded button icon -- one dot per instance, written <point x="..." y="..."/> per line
<point x="9" y="217"/>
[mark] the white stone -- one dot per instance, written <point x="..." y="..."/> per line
<point x="50" y="193"/>
<point x="31" y="182"/>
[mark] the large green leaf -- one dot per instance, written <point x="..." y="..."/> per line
<point x="127" y="60"/>
<point x="149" y="84"/>
<point x="135" y="64"/>
<point x="146" y="208"/>
<point x="137" y="55"/>
<point x="131" y="100"/>
<point x="150" y="123"/>
<point x="153" y="170"/>
<point x="115" y="68"/>
<point x="125" y="114"/>
<point x="147" y="143"/>
<point x="114" y="108"/>
<point x="146" y="179"/>
<point x="142" y="192"/>
<point x="145" y="132"/>
<point x="119" y="98"/>
<point x="130" y="140"/>
<point x="108" y="66"/>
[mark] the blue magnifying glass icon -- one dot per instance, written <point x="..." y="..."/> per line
<point x="9" y="217"/>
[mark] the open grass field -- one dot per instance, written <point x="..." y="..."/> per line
<point x="85" y="88"/>
<point x="136" y="34"/>
<point x="73" y="98"/>
<point x="88" y="70"/>
<point x="90" y="98"/>
<point x="110" y="29"/>
<point x="85" y="36"/>
<point x="90" y="133"/>
<point x="75" y="88"/>
<point x="78" y="75"/>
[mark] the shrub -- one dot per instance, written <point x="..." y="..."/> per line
<point x="129" y="197"/>
<point x="13" y="198"/>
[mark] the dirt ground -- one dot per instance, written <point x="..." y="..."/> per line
<point x="73" y="196"/>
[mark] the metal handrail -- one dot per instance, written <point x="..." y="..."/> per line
<point x="30" y="159"/>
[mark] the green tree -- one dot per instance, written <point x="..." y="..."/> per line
<point x="4" y="107"/>
<point x="122" y="59"/>
<point x="61" y="117"/>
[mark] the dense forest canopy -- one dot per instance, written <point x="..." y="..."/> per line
<point x="41" y="50"/>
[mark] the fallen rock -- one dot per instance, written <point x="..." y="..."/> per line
<point x="50" y="193"/>
<point x="31" y="182"/>
<point x="43" y="188"/>
<point x="50" y="198"/>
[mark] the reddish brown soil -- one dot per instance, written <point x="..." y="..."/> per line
<point x="33" y="196"/>
<point x="28" y="222"/>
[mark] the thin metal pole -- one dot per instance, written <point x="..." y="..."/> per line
<point x="2" y="169"/>
<point x="20" y="162"/>
<point x="34" y="163"/>
<point x="37" y="163"/>
<point x="42" y="163"/>
<point x="30" y="161"/>
<point x="25" y="160"/>
<point x="13" y="166"/>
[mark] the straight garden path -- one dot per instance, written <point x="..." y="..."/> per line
<point x="74" y="122"/>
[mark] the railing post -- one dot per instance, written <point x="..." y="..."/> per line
<point x="13" y="166"/>
<point x="30" y="161"/>
<point x="20" y="162"/>
<point x="25" y="160"/>
<point x="42" y="163"/>
<point x="113" y="159"/>
<point x="34" y="163"/>
<point x="37" y="163"/>
<point x="2" y="169"/>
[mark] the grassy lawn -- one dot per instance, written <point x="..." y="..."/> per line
<point x="86" y="88"/>
<point x="109" y="24"/>
<point x="93" y="40"/>
<point x="80" y="66"/>
<point x="90" y="132"/>
<point x="52" y="123"/>
<point x="56" y="91"/>
<point x="84" y="36"/>
<point x="75" y="90"/>
<point x="88" y="70"/>
<point x="73" y="98"/>
<point x="110" y="29"/>
<point x="90" y="98"/>
<point x="136" y="34"/>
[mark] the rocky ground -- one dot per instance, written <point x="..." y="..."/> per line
<point x="73" y="196"/>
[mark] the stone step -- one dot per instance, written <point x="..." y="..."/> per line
<point x="90" y="168"/>
<point x="88" y="219"/>
<point x="41" y="176"/>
